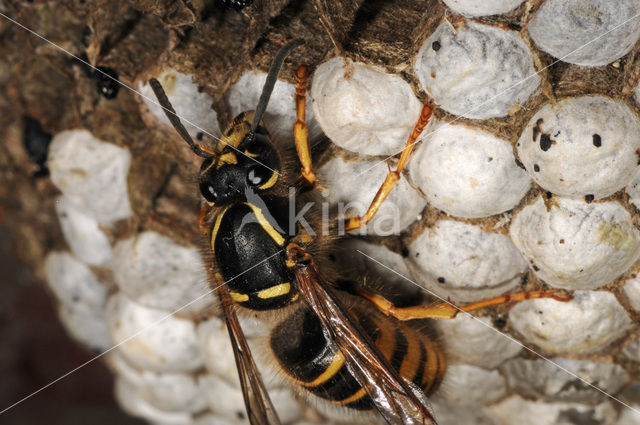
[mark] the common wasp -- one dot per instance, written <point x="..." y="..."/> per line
<point x="333" y="338"/>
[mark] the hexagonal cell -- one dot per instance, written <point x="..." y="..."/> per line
<point x="91" y="174"/>
<point x="227" y="400"/>
<point x="463" y="262"/>
<point x="352" y="186"/>
<point x="631" y="289"/>
<point x="477" y="71"/>
<point x="85" y="238"/>
<point x="467" y="385"/>
<point x="130" y="401"/>
<point x="482" y="7"/>
<point x="473" y="340"/>
<point x="191" y="105"/>
<point x="155" y="272"/>
<point x="586" y="32"/>
<point x="358" y="117"/>
<point x="86" y="326"/>
<point x="165" y="391"/>
<point x="467" y="173"/>
<point x="516" y="410"/>
<point x="73" y="282"/>
<point x="582" y="147"/>
<point x="281" y="112"/>
<point x="542" y="379"/>
<point x="586" y="324"/>
<point x="152" y="339"/>
<point x="575" y="245"/>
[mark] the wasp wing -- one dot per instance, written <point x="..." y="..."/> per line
<point x="256" y="398"/>
<point x="400" y="402"/>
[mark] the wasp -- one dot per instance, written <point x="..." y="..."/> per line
<point x="334" y="338"/>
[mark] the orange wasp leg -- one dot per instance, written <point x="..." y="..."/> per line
<point x="300" y="129"/>
<point x="394" y="175"/>
<point x="449" y="311"/>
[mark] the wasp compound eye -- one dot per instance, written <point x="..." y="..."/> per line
<point x="208" y="191"/>
<point x="257" y="175"/>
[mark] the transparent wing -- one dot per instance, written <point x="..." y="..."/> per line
<point x="398" y="401"/>
<point x="256" y="398"/>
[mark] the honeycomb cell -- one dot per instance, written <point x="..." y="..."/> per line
<point x="156" y="272"/>
<point x="478" y="71"/>
<point x="586" y="32"/>
<point x="586" y="324"/>
<point x="463" y="262"/>
<point x="482" y="7"/>
<point x="351" y="187"/>
<point x="575" y="245"/>
<point x="467" y="173"/>
<point x="467" y="385"/>
<point x="191" y="105"/>
<point x="91" y="174"/>
<point x="363" y="109"/>
<point x="152" y="339"/>
<point x="582" y="147"/>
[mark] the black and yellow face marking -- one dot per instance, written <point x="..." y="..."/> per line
<point x="243" y="165"/>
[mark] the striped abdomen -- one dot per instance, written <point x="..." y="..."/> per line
<point x="308" y="358"/>
<point x="248" y="243"/>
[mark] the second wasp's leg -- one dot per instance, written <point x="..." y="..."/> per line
<point x="449" y="311"/>
<point x="394" y="175"/>
<point x="300" y="129"/>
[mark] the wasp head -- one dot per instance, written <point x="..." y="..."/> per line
<point x="248" y="163"/>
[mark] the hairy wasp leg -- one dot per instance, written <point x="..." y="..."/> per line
<point x="300" y="129"/>
<point x="449" y="311"/>
<point x="394" y="175"/>
<point x="203" y="220"/>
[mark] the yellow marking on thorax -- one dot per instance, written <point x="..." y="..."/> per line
<point x="216" y="227"/>
<point x="329" y="372"/>
<point x="249" y="154"/>
<point x="305" y="237"/>
<point x="227" y="158"/>
<point x="272" y="180"/>
<point x="238" y="297"/>
<point x="355" y="397"/>
<point x="277" y="237"/>
<point x="275" y="291"/>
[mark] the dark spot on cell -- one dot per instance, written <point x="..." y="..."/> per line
<point x="597" y="140"/>
<point x="75" y="298"/>
<point x="405" y="251"/>
<point x="549" y="195"/>
<point x="519" y="164"/>
<point x="561" y="241"/>
<point x="539" y="311"/>
<point x="107" y="82"/>
<point x="574" y="416"/>
<point x="536" y="268"/>
<point x="536" y="167"/>
<point x="589" y="198"/>
<point x="638" y="155"/>
<point x="200" y="135"/>
<point x="441" y="279"/>
<point x="36" y="142"/>
<point x="240" y="414"/>
<point x="500" y="323"/>
<point x="436" y="45"/>
<point x="490" y="159"/>
<point x="236" y="4"/>
<point x="417" y="254"/>
<point x="537" y="130"/>
<point x="433" y="74"/>
<point x="557" y="134"/>
<point x="581" y="270"/>
<point x="545" y="142"/>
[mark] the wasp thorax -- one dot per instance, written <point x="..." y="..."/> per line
<point x="252" y="166"/>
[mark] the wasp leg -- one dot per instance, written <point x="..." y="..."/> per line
<point x="203" y="220"/>
<point x="300" y="129"/>
<point x="394" y="175"/>
<point x="447" y="310"/>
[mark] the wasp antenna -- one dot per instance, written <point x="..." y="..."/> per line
<point x="270" y="83"/>
<point x="175" y="120"/>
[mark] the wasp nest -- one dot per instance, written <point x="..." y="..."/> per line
<point x="527" y="177"/>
